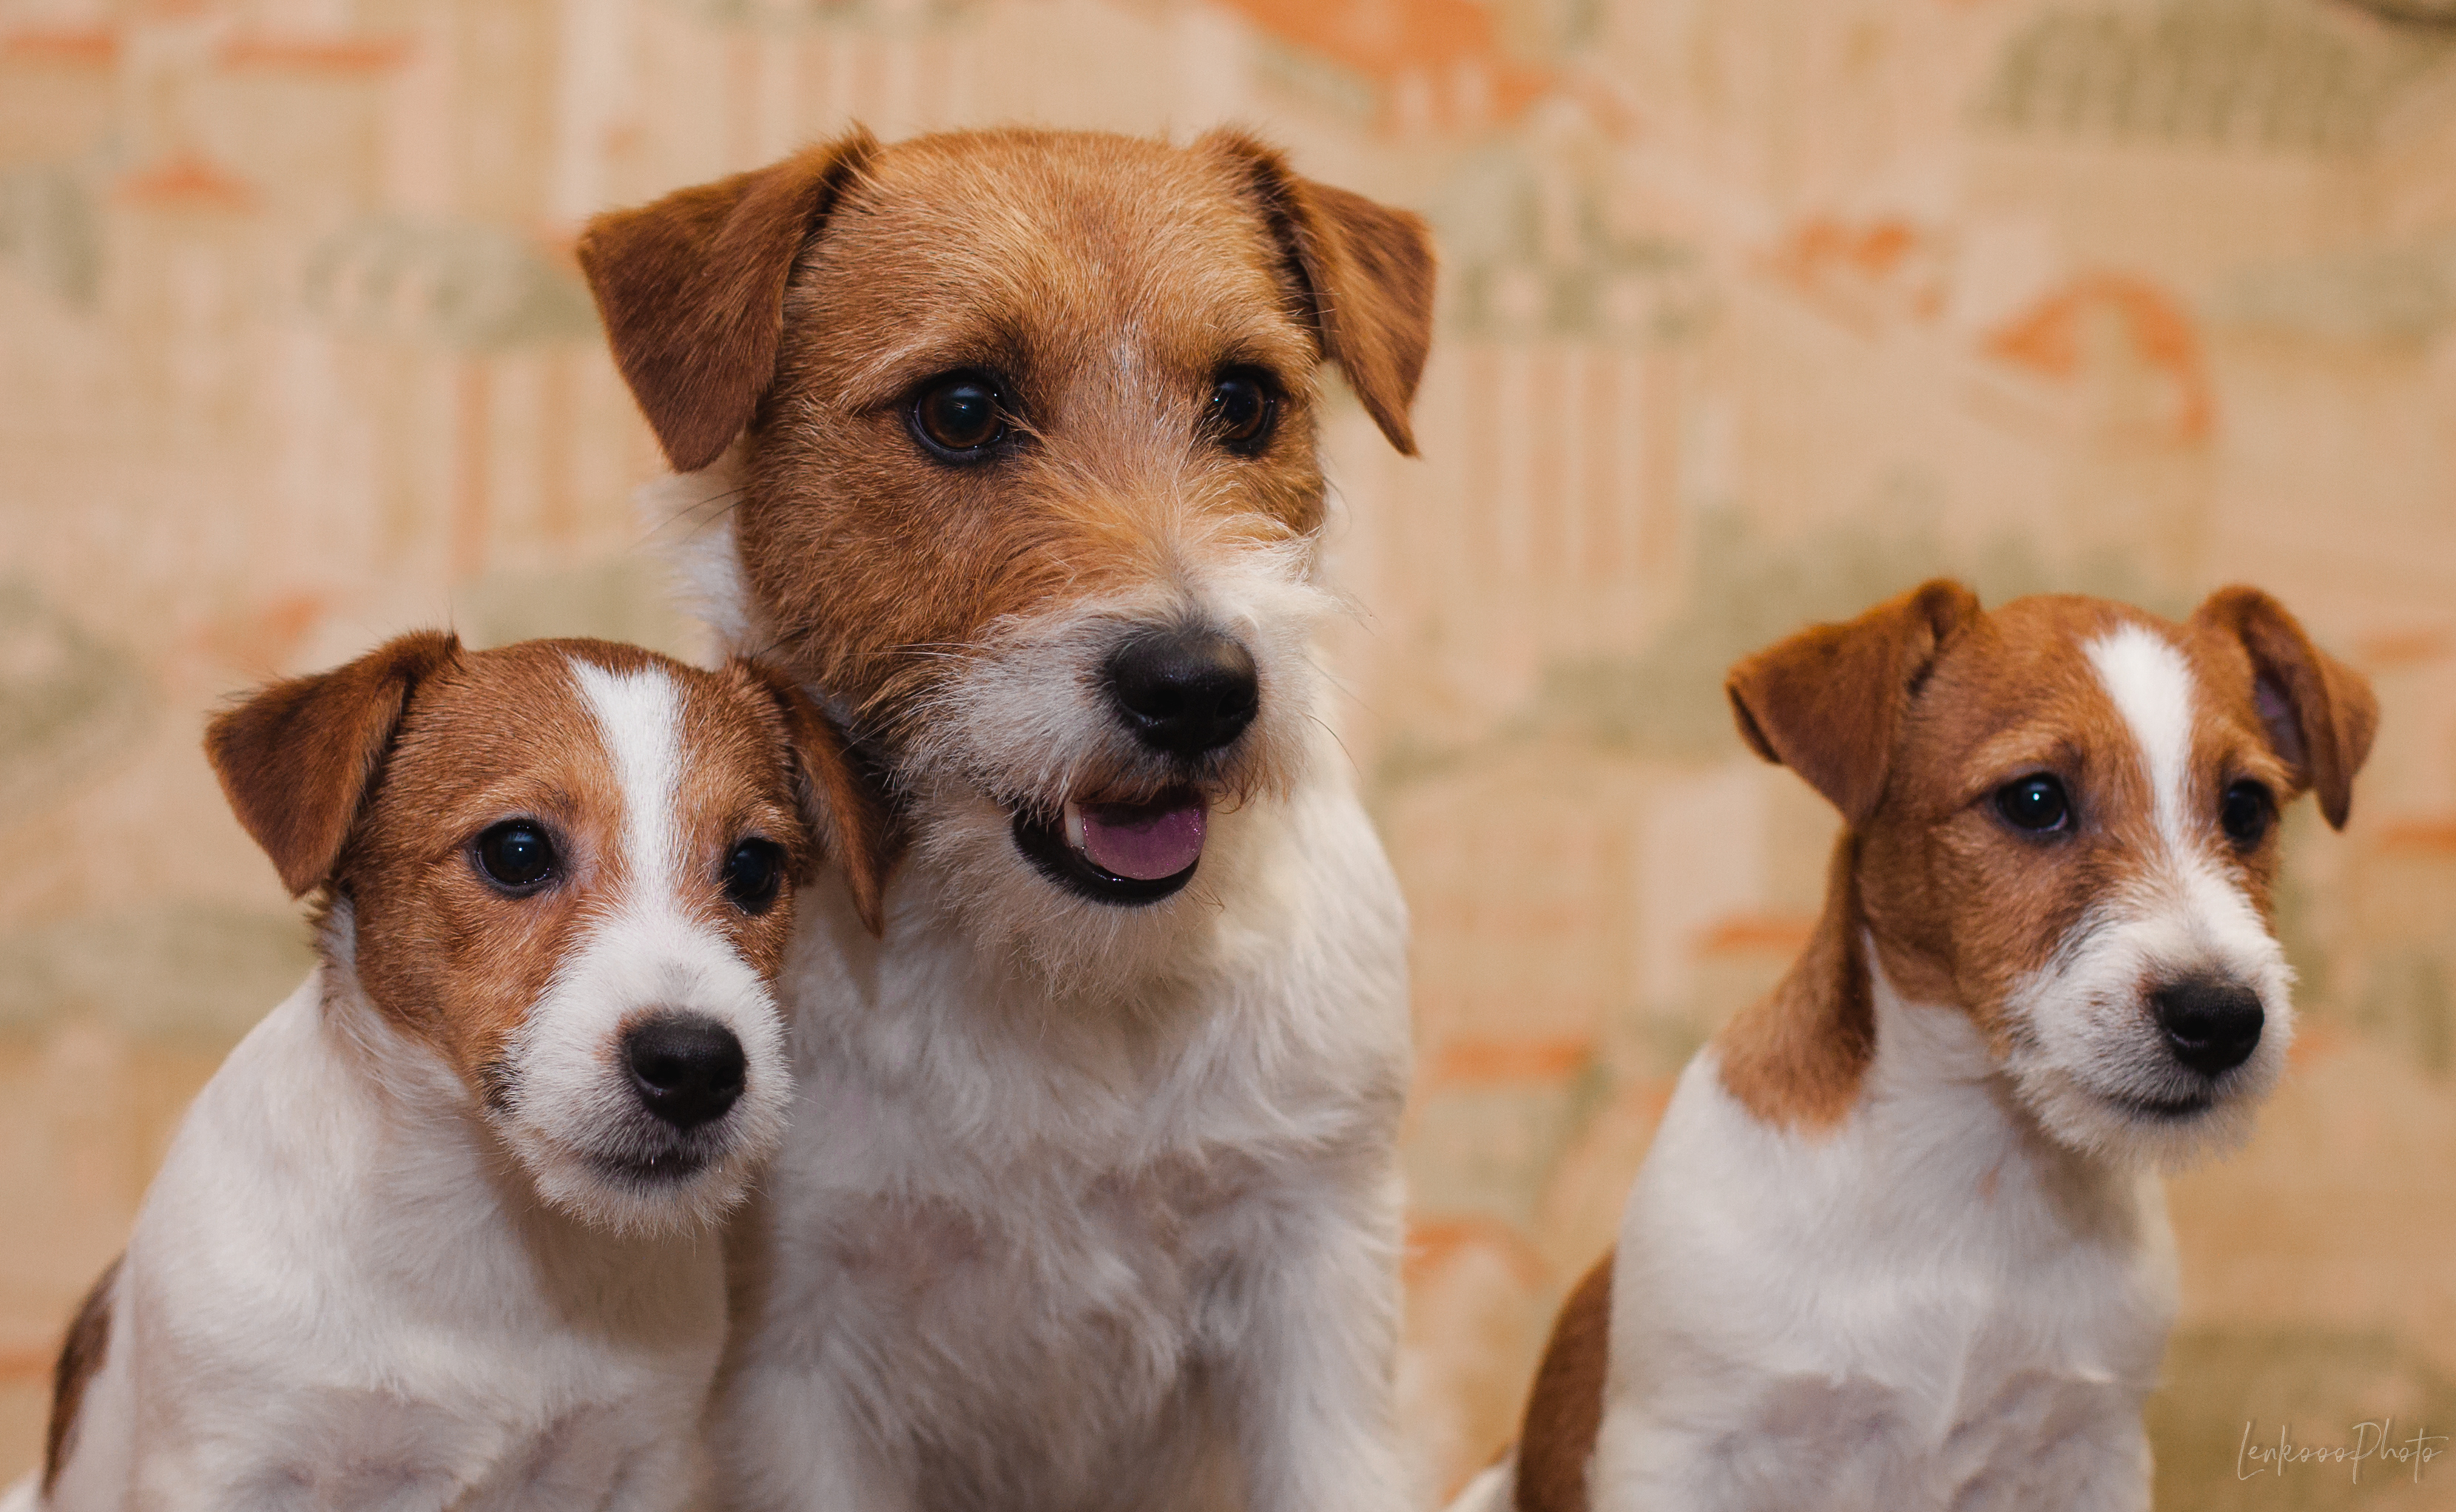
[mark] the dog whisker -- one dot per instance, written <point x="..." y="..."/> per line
<point x="1324" y="726"/>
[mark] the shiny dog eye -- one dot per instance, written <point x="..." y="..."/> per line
<point x="516" y="855"/>
<point x="753" y="873"/>
<point x="958" y="415"/>
<point x="2245" y="811"/>
<point x="1241" y="411"/>
<point x="2035" y="802"/>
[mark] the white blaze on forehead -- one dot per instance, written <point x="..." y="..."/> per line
<point x="2090" y="1051"/>
<point x="2152" y="690"/>
<point x="639" y="714"/>
<point x="572" y="1110"/>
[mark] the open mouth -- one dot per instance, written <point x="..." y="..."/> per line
<point x="1121" y="854"/>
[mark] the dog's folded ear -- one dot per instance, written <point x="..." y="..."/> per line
<point x="691" y="288"/>
<point x="843" y="800"/>
<point x="297" y="757"/>
<point x="2320" y="713"/>
<point x="1366" y="273"/>
<point x="1828" y="701"/>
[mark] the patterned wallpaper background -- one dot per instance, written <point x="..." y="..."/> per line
<point x="1753" y="311"/>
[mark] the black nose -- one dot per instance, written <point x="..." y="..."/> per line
<point x="687" y="1069"/>
<point x="1184" y="691"/>
<point x="2212" y="1027"/>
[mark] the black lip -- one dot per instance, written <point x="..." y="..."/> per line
<point x="2175" y="1112"/>
<point x="1043" y="843"/>
<point x="671" y="1168"/>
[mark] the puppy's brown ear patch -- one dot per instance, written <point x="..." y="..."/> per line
<point x="1564" y="1409"/>
<point x="1795" y="1057"/>
<point x="1368" y="274"/>
<point x="2320" y="713"/>
<point x="841" y="799"/>
<point x="81" y="1354"/>
<point x="296" y="758"/>
<point x="1827" y="702"/>
<point x="691" y="288"/>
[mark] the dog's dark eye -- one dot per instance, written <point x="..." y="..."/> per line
<point x="2245" y="811"/>
<point x="753" y="872"/>
<point x="959" y="416"/>
<point x="2035" y="803"/>
<point x="515" y="855"/>
<point x="1241" y="411"/>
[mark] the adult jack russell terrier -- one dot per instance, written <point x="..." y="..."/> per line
<point x="439" y="1233"/>
<point x="1899" y="1242"/>
<point x="1005" y="444"/>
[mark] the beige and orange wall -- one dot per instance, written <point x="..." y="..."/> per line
<point x="1753" y="311"/>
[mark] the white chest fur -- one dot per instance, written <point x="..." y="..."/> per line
<point x="339" y="1293"/>
<point x="1019" y="1247"/>
<point x="1928" y="1306"/>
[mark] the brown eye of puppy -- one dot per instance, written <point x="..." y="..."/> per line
<point x="1242" y="410"/>
<point x="2245" y="811"/>
<point x="2035" y="803"/>
<point x="753" y="874"/>
<point x="959" y="416"/>
<point x="515" y="855"/>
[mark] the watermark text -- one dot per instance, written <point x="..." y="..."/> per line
<point x="2375" y="1444"/>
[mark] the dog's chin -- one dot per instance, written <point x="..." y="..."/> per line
<point x="1127" y="855"/>
<point x="2165" y="1128"/>
<point x="641" y="1198"/>
<point x="643" y="1183"/>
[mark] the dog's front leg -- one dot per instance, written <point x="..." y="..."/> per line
<point x="1308" y="1339"/>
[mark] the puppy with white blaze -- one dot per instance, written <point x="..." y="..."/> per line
<point x="1900" y="1242"/>
<point x="441" y="1231"/>
<point x="1004" y="442"/>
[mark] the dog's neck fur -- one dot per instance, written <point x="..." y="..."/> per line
<point x="1133" y="1043"/>
<point x="1837" y="1043"/>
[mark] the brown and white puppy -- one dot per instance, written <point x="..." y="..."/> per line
<point x="1006" y="441"/>
<point x="439" y="1233"/>
<point x="1900" y="1242"/>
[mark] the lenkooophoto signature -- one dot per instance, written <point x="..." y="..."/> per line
<point x="2373" y="1443"/>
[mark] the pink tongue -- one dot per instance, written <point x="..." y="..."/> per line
<point x="1143" y="844"/>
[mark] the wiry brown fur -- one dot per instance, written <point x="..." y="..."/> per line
<point x="1107" y="281"/>
<point x="1366" y="273"/>
<point x="1564" y="1409"/>
<point x="81" y="1354"/>
<point x="692" y="289"/>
